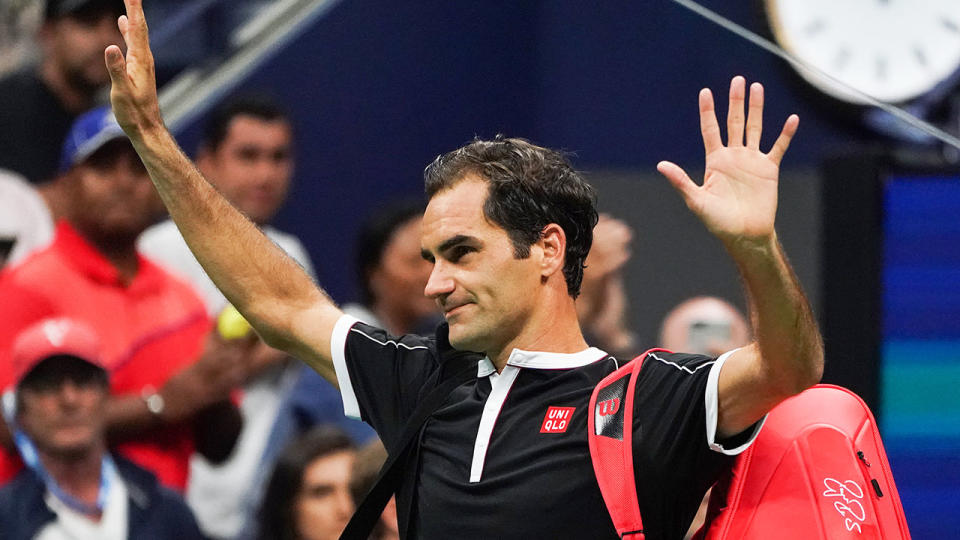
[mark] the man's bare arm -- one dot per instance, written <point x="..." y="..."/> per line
<point x="269" y="288"/>
<point x="738" y="203"/>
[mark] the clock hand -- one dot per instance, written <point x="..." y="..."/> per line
<point x="770" y="47"/>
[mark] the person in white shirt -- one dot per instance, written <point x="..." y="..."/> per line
<point x="25" y="221"/>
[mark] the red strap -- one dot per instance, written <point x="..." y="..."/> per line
<point x="610" y="437"/>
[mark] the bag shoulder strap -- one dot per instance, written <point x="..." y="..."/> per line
<point x="456" y="368"/>
<point x="610" y="437"/>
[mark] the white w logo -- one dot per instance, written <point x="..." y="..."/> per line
<point x="55" y="331"/>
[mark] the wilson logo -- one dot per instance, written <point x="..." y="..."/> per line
<point x="608" y="407"/>
<point x="557" y="419"/>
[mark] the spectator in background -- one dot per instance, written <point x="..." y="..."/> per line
<point x="602" y="304"/>
<point x="25" y="221"/>
<point x="40" y="102"/>
<point x="308" y="494"/>
<point x="73" y="487"/>
<point x="704" y="325"/>
<point x="247" y="152"/>
<point x="392" y="272"/>
<point x="170" y="376"/>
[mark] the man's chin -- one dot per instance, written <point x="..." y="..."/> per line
<point x="463" y="340"/>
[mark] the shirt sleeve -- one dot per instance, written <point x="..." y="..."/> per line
<point x="380" y="376"/>
<point x="676" y="454"/>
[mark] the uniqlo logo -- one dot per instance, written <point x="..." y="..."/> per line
<point x="557" y="419"/>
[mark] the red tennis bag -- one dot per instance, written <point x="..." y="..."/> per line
<point x="817" y="470"/>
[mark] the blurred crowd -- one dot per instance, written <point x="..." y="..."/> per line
<point x="136" y="403"/>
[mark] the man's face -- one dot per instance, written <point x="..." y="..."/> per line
<point x="484" y="291"/>
<point x="75" y="46"/>
<point x="253" y="165"/>
<point x="113" y="197"/>
<point x="324" y="505"/>
<point x="402" y="274"/>
<point x="65" y="417"/>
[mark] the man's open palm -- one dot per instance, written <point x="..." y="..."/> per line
<point x="738" y="198"/>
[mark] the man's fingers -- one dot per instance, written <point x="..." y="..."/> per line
<point x="679" y="180"/>
<point x="755" y="116"/>
<point x="735" y="112"/>
<point x="783" y="141"/>
<point x="134" y="26"/>
<point x="116" y="65"/>
<point x="709" y="127"/>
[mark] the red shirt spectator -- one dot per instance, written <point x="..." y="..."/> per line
<point x="150" y="329"/>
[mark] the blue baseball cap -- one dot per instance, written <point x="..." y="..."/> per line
<point x="90" y="131"/>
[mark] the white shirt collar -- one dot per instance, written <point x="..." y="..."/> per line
<point x="543" y="360"/>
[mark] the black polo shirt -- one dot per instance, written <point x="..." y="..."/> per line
<point x="506" y="455"/>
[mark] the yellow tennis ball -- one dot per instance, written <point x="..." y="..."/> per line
<point x="231" y="324"/>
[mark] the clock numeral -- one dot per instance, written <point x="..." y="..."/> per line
<point x="921" y="56"/>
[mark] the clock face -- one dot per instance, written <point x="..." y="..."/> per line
<point x="893" y="50"/>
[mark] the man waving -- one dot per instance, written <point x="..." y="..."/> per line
<point x="507" y="228"/>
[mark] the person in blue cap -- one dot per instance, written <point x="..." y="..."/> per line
<point x="171" y="374"/>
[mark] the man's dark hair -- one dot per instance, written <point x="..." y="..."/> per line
<point x="529" y="188"/>
<point x="259" y="106"/>
<point x="276" y="515"/>
<point x="374" y="236"/>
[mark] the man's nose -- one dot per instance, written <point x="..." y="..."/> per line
<point x="439" y="283"/>
<point x="69" y="392"/>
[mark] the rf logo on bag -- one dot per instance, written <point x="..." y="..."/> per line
<point x="557" y="419"/>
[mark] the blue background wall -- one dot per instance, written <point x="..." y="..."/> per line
<point x="378" y="89"/>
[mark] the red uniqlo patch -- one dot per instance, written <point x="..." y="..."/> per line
<point x="557" y="419"/>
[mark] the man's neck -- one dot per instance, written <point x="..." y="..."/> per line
<point x="77" y="476"/>
<point x="74" y="100"/>
<point x="554" y="330"/>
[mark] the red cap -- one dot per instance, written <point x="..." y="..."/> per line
<point x="52" y="337"/>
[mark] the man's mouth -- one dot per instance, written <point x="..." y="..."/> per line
<point x="448" y="311"/>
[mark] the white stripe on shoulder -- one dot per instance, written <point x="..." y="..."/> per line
<point x="338" y="352"/>
<point x="682" y="368"/>
<point x="389" y="342"/>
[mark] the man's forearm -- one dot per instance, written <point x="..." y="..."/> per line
<point x="253" y="273"/>
<point x="784" y="327"/>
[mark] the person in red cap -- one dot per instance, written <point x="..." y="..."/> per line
<point x="72" y="486"/>
<point x="171" y="376"/>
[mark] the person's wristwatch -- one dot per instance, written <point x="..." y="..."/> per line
<point x="153" y="400"/>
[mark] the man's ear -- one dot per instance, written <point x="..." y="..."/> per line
<point x="553" y="242"/>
